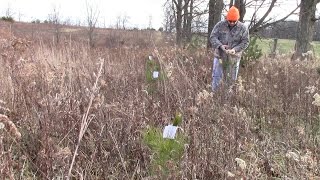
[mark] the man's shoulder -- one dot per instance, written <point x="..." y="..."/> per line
<point x="221" y="24"/>
<point x="241" y="24"/>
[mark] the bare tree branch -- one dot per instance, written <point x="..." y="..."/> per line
<point x="261" y="20"/>
<point x="275" y="22"/>
<point x="257" y="26"/>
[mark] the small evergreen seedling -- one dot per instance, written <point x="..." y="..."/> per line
<point x="252" y="53"/>
<point x="151" y="66"/>
<point x="164" y="150"/>
<point x="177" y="119"/>
<point x="154" y="74"/>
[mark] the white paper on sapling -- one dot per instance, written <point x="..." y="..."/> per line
<point x="155" y="74"/>
<point x="170" y="132"/>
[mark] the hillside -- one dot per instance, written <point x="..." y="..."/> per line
<point x="103" y="37"/>
<point x="96" y="113"/>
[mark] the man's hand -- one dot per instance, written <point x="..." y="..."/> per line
<point x="231" y="51"/>
<point x="224" y="47"/>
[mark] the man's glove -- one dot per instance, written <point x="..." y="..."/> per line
<point x="224" y="47"/>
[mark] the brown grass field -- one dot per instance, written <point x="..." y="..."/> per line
<point x="68" y="111"/>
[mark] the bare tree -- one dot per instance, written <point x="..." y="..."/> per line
<point x="92" y="19"/>
<point x="118" y="22"/>
<point x="67" y="21"/>
<point x="9" y="12"/>
<point x="199" y="25"/>
<point x="306" y="24"/>
<point x="19" y="16"/>
<point x="169" y="17"/>
<point x="9" y="17"/>
<point x="78" y="22"/>
<point x="121" y="22"/>
<point x="54" y="18"/>
<point x="185" y="12"/>
<point x="124" y="21"/>
<point x="215" y="10"/>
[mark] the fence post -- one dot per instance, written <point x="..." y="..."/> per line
<point x="274" y="48"/>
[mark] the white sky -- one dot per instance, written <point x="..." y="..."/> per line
<point x="280" y="10"/>
<point x="138" y="11"/>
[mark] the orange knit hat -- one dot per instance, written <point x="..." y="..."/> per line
<point x="233" y="14"/>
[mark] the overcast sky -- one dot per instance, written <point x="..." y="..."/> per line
<point x="139" y="11"/>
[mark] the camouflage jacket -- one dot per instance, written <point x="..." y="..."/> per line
<point x="236" y="38"/>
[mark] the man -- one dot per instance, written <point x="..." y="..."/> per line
<point x="228" y="38"/>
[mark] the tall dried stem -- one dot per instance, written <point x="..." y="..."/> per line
<point x="85" y="121"/>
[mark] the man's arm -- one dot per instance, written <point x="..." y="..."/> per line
<point x="215" y="42"/>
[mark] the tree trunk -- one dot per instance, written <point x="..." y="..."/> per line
<point x="240" y="4"/>
<point x="215" y="10"/>
<point x="178" y="21"/>
<point x="185" y="19"/>
<point x="188" y="17"/>
<point x="305" y="30"/>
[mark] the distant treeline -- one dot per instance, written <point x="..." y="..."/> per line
<point x="287" y="30"/>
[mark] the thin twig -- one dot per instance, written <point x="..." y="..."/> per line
<point x="121" y="158"/>
<point x="135" y="170"/>
<point x="85" y="120"/>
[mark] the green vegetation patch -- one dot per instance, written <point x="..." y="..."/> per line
<point x="153" y="65"/>
<point x="167" y="153"/>
<point x="284" y="46"/>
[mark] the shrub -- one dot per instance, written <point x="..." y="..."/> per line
<point x="37" y="21"/>
<point x="7" y="18"/>
<point x="252" y="53"/>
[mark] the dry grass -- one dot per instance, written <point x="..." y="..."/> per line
<point x="267" y="127"/>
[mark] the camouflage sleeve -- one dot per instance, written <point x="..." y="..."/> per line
<point x="215" y="42"/>
<point x="244" y="40"/>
